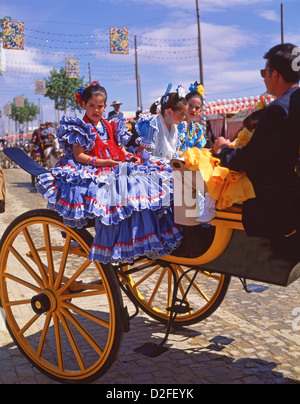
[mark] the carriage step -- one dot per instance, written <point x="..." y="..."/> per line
<point x="150" y="349"/>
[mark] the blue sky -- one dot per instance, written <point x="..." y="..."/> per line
<point x="235" y="36"/>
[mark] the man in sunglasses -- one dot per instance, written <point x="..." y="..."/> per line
<point x="271" y="155"/>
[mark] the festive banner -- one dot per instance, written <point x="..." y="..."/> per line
<point x="40" y="87"/>
<point x="72" y="68"/>
<point x="119" y="42"/>
<point x="7" y="109"/>
<point x="19" y="101"/>
<point x="13" y="35"/>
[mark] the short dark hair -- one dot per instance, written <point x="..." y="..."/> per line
<point x="280" y="58"/>
<point x="92" y="91"/>
<point x="189" y="96"/>
<point x="174" y="102"/>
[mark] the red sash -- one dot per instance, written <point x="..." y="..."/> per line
<point x="100" y="149"/>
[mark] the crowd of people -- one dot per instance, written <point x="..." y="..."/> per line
<point x="119" y="173"/>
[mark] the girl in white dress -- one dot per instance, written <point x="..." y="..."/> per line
<point x="158" y="133"/>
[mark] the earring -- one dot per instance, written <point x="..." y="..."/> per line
<point x="170" y="118"/>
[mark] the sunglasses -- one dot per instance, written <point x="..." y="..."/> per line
<point x="263" y="72"/>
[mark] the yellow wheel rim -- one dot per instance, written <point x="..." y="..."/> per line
<point x="59" y="306"/>
<point x="152" y="287"/>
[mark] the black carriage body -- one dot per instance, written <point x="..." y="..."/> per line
<point x="268" y="260"/>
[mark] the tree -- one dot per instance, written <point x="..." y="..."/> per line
<point x="24" y="115"/>
<point x="62" y="90"/>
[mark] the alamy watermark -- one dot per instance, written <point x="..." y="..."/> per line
<point x="296" y="61"/>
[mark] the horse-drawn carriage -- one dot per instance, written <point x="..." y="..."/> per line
<point x="44" y="146"/>
<point x="66" y="313"/>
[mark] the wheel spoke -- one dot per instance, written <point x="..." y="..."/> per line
<point x="28" y="268"/>
<point x="74" y="277"/>
<point x="83" y="294"/>
<point x="36" y="256"/>
<point x="18" y="302"/>
<point x="72" y="341"/>
<point x="83" y="331"/>
<point x="86" y="314"/>
<point x="63" y="262"/>
<point x="49" y="254"/>
<point x="58" y="341"/>
<point x="29" y="324"/>
<point x="22" y="282"/>
<point x="44" y="335"/>
<point x="147" y="276"/>
<point x="150" y="301"/>
<point x="195" y="286"/>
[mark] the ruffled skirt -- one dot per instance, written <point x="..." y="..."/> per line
<point x="131" y="205"/>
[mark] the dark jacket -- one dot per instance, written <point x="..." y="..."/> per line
<point x="269" y="160"/>
<point x="114" y="114"/>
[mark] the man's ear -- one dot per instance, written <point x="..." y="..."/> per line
<point x="276" y="75"/>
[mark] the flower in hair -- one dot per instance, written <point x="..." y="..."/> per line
<point x="95" y="83"/>
<point x="80" y="90"/>
<point x="197" y="88"/>
<point x="200" y="90"/>
<point x="78" y="96"/>
<point x="181" y="92"/>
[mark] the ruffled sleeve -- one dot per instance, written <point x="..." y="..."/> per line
<point x="200" y="140"/>
<point x="147" y="129"/>
<point x="73" y="131"/>
<point x="121" y="134"/>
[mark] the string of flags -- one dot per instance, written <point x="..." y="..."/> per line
<point x="13" y="38"/>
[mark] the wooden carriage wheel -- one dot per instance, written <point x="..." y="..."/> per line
<point x="64" y="312"/>
<point x="151" y="284"/>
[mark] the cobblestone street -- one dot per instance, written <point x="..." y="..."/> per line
<point x="251" y="339"/>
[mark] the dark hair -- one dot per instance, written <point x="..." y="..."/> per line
<point x="94" y="91"/>
<point x="280" y="58"/>
<point x="189" y="96"/>
<point x="153" y="108"/>
<point x="172" y="101"/>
